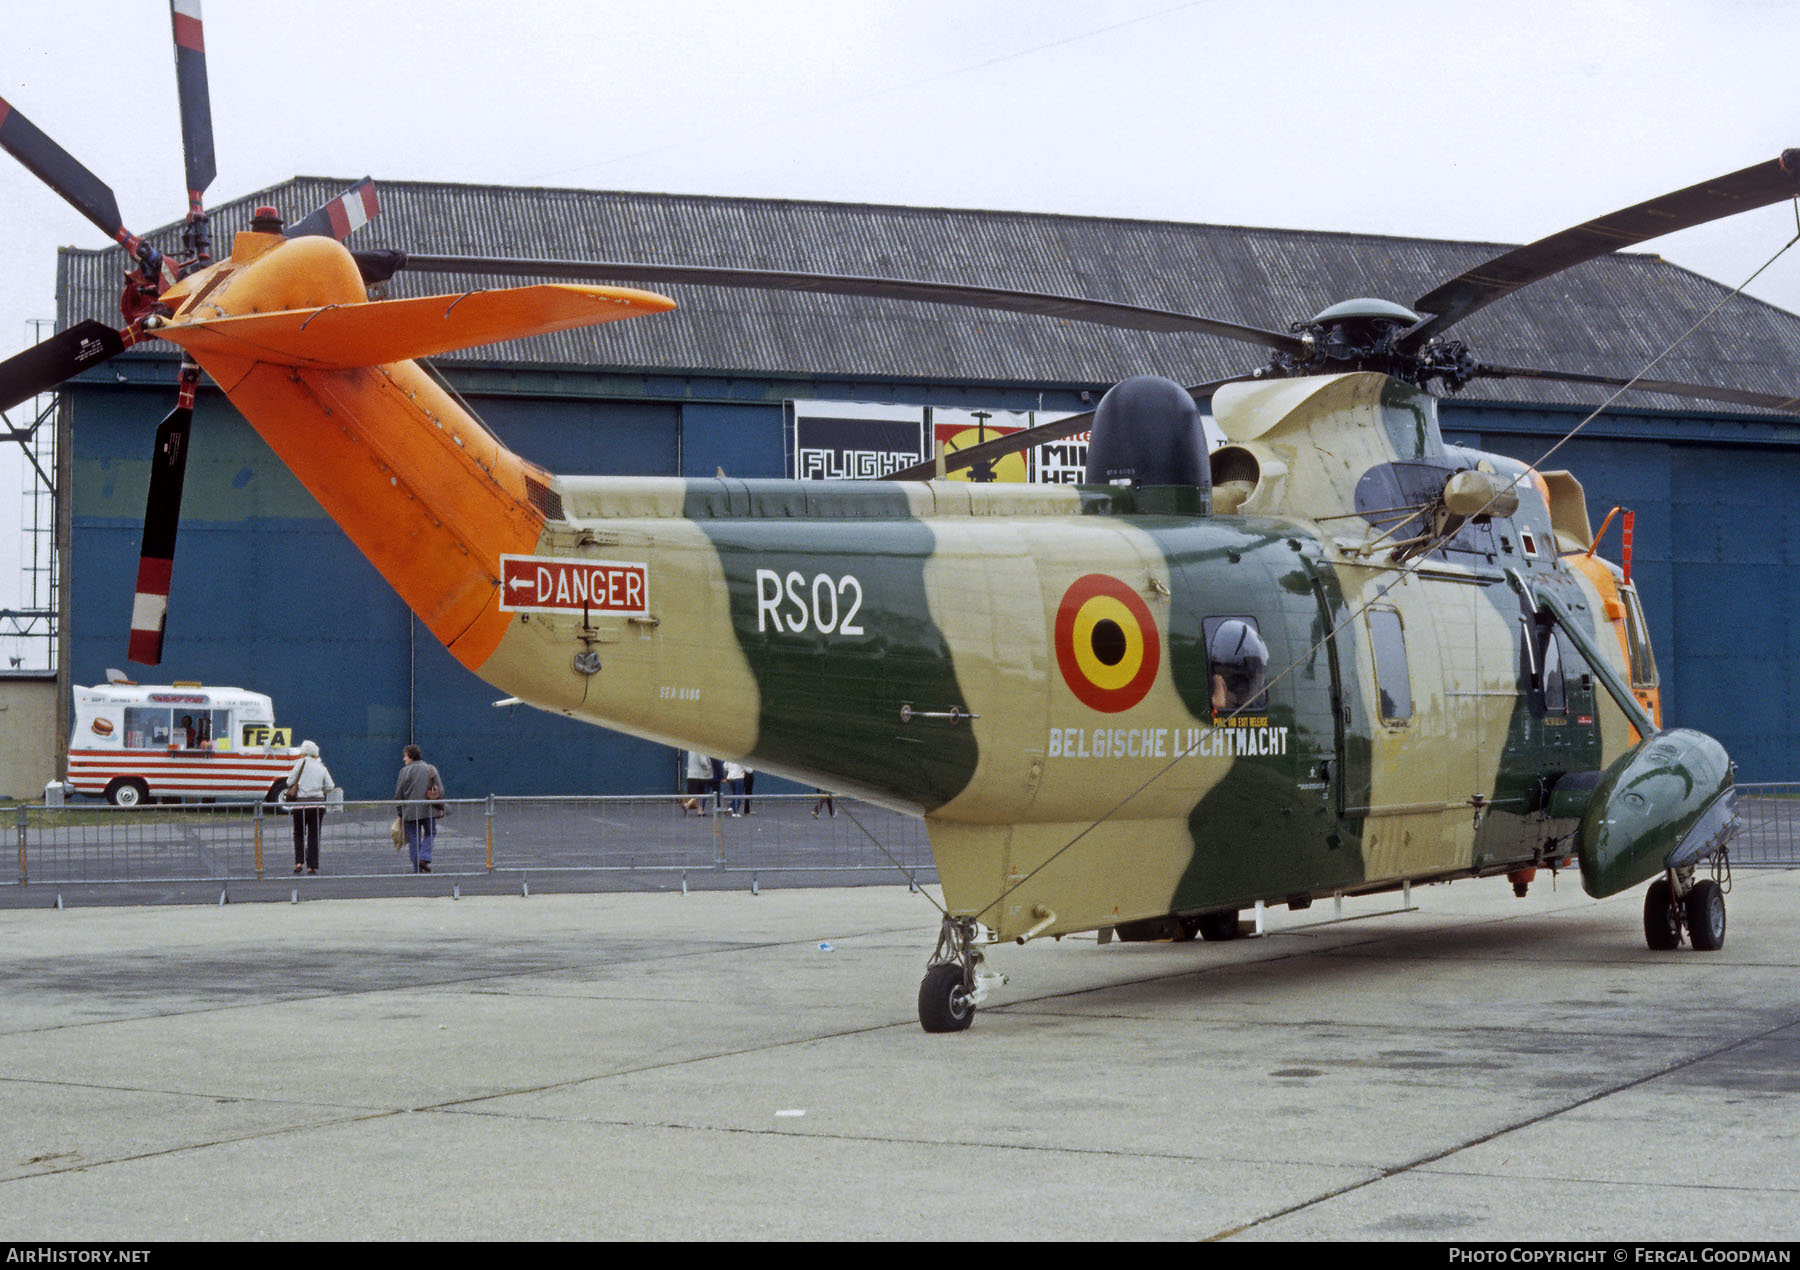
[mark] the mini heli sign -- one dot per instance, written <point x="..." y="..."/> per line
<point x="542" y="584"/>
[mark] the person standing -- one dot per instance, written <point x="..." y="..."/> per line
<point x="699" y="773"/>
<point x="308" y="784"/>
<point x="416" y="794"/>
<point x="734" y="783"/>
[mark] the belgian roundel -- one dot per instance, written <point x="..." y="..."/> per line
<point x="1106" y="643"/>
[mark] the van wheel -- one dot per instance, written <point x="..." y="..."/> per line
<point x="127" y="791"/>
<point x="274" y="794"/>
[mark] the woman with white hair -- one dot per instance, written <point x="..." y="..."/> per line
<point x="308" y="783"/>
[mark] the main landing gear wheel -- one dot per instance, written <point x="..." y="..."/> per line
<point x="944" y="1000"/>
<point x="1662" y="920"/>
<point x="1677" y="902"/>
<point x="1215" y="927"/>
<point x="1705" y="905"/>
<point x="949" y="993"/>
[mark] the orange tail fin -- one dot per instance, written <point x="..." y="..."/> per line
<point x="373" y="333"/>
<point x="424" y="490"/>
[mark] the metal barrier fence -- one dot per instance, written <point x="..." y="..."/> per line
<point x="214" y="842"/>
<point x="784" y="836"/>
<point x="1769" y="824"/>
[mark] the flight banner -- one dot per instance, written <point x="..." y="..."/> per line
<point x="853" y="440"/>
<point x="844" y="440"/>
<point x="848" y="441"/>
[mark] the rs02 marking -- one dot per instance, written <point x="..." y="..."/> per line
<point x="826" y="604"/>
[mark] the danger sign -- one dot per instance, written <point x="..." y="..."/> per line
<point x="542" y="584"/>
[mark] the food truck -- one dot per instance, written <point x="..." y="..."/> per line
<point x="134" y="743"/>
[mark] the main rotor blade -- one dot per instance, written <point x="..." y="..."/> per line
<point x="196" y="102"/>
<point x="162" y="517"/>
<point x="1743" y="191"/>
<point x="1055" y="430"/>
<point x="1102" y="312"/>
<point x="62" y="356"/>
<point x="62" y="172"/>
<point x="341" y="217"/>
<point x="1787" y="404"/>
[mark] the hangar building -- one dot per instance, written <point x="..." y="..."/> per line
<point x="268" y="594"/>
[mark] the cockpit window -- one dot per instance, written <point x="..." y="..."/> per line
<point x="1238" y="661"/>
<point x="1637" y="636"/>
<point x="1397" y="499"/>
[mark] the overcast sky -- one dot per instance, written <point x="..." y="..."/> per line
<point x="1495" y="122"/>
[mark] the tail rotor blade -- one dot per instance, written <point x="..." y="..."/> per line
<point x="196" y="102"/>
<point x="62" y="356"/>
<point x="62" y="172"/>
<point x="162" y="517"/>
<point x="341" y="217"/>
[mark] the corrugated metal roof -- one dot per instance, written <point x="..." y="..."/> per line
<point x="1608" y="317"/>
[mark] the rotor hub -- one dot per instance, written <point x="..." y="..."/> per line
<point x="1371" y="334"/>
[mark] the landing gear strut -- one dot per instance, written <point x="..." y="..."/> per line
<point x="953" y="985"/>
<point x="1678" y="902"/>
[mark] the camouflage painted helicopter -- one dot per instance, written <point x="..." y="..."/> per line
<point x="1335" y="656"/>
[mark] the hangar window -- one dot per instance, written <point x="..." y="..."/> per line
<point x="1238" y="661"/>
<point x="1393" y="682"/>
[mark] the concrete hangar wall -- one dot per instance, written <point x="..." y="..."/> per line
<point x="269" y="595"/>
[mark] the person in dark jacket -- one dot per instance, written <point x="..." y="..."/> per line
<point x="416" y="796"/>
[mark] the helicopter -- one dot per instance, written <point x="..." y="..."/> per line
<point x="1334" y="656"/>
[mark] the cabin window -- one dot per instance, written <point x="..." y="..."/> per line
<point x="1393" y="682"/>
<point x="1541" y="657"/>
<point x="1556" y="696"/>
<point x="1637" y="637"/>
<point x="199" y="729"/>
<point x="1238" y="662"/>
<point x="209" y="729"/>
